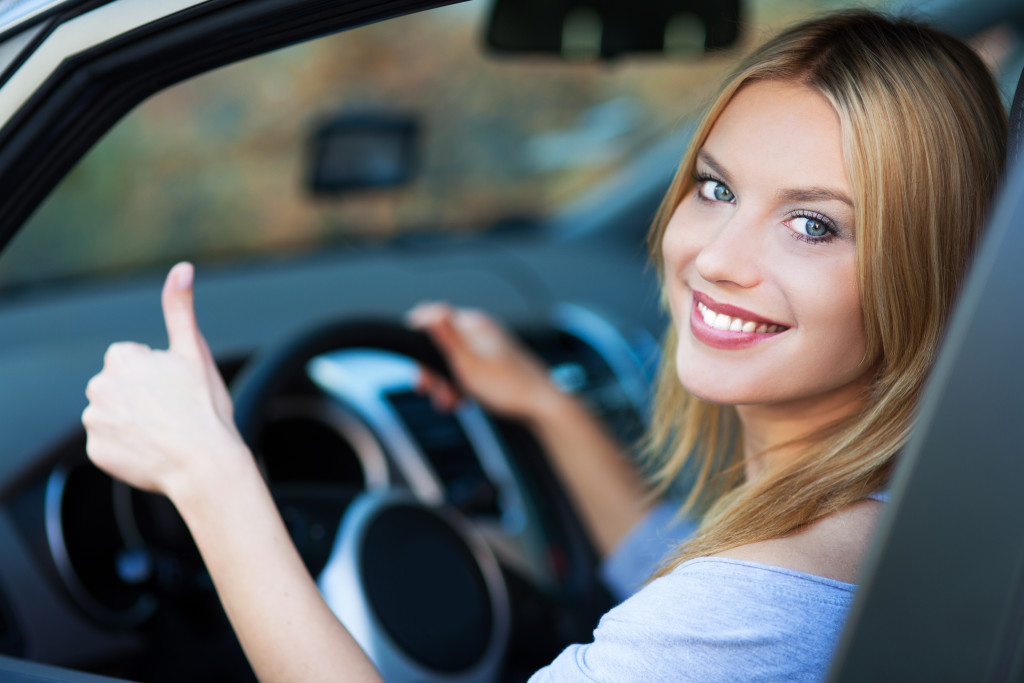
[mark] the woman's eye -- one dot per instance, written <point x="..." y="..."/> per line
<point x="811" y="227"/>
<point x="714" y="190"/>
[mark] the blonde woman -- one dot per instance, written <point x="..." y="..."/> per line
<point x="810" y="249"/>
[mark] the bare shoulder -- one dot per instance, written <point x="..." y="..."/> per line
<point x="833" y="547"/>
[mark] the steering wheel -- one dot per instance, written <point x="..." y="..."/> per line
<point x="268" y="374"/>
<point x="416" y="584"/>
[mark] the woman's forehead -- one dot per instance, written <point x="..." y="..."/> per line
<point x="780" y="130"/>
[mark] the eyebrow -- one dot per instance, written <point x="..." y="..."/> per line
<point x="814" y="194"/>
<point x="808" y="194"/>
<point x="702" y="155"/>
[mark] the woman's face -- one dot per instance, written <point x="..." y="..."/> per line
<point x="760" y="258"/>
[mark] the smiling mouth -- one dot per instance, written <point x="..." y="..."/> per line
<point x="728" y="323"/>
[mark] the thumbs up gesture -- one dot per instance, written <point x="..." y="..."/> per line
<point x="158" y="419"/>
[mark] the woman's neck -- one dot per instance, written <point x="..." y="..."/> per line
<point x="768" y="427"/>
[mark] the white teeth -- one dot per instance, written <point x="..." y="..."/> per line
<point x="726" y="323"/>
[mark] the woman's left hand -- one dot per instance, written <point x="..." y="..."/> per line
<point x="153" y="414"/>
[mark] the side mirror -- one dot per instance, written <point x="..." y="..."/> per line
<point x="603" y="29"/>
<point x="362" y="150"/>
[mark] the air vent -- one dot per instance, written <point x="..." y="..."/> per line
<point x="444" y="442"/>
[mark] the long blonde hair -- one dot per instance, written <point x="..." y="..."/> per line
<point x="923" y="138"/>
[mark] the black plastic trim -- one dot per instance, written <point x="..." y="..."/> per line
<point x="67" y="6"/>
<point x="29" y="48"/>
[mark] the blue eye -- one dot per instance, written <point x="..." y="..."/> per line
<point x="812" y="227"/>
<point x="714" y="190"/>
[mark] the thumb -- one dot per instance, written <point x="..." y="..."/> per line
<point x="179" y="312"/>
<point x="184" y="336"/>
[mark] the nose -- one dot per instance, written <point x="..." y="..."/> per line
<point x="733" y="252"/>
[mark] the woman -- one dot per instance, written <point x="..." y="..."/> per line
<point x="810" y="249"/>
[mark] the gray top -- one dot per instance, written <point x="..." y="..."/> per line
<point x="714" y="619"/>
<point x="645" y="546"/>
<point x="711" y="619"/>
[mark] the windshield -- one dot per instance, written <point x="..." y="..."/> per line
<point x="216" y="168"/>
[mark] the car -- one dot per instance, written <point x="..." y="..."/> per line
<point x="325" y="186"/>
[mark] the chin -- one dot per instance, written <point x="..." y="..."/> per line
<point x="712" y="390"/>
<point x="709" y="381"/>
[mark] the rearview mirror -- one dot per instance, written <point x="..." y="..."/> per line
<point x="603" y="29"/>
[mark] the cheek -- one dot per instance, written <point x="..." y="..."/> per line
<point x="842" y="321"/>
<point x="848" y="299"/>
<point x="677" y="243"/>
<point x="676" y="254"/>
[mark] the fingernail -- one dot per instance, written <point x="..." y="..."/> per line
<point x="184" y="276"/>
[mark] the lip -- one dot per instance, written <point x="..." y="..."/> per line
<point x="732" y="311"/>
<point x="724" y="339"/>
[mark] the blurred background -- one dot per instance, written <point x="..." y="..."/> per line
<point x="218" y="168"/>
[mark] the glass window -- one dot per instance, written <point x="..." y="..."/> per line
<point x="214" y="169"/>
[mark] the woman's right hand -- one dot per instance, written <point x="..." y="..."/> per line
<point x="487" y="362"/>
<point x="494" y="368"/>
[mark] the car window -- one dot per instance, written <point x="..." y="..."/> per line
<point x="215" y="168"/>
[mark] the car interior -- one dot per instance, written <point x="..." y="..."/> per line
<point x="946" y="567"/>
<point x="328" y="166"/>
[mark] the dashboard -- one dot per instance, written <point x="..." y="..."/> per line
<point x="121" y="575"/>
<point x="355" y="422"/>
